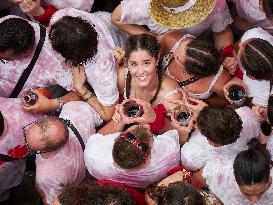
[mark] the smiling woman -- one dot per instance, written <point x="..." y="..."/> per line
<point x="143" y="78"/>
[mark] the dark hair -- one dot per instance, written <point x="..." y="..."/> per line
<point x="17" y="35"/>
<point x="91" y="193"/>
<point x="253" y="165"/>
<point x="257" y="59"/>
<point x="2" y="123"/>
<point x="220" y="124"/>
<point x="268" y="9"/>
<point x="203" y="59"/>
<point x="148" y="43"/>
<point x="51" y="144"/>
<point x="128" y="156"/>
<point x="270" y="110"/>
<point x="75" y="39"/>
<point x="177" y="193"/>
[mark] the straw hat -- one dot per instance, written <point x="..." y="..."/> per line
<point x="178" y="14"/>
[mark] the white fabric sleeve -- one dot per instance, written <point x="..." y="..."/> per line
<point x="222" y="17"/>
<point x="193" y="152"/>
<point x="135" y="12"/>
<point x="85" y="5"/>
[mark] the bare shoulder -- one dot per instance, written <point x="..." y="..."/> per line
<point x="168" y="84"/>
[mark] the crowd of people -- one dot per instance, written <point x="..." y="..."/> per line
<point x="164" y="102"/>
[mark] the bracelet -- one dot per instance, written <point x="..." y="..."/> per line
<point x="61" y="104"/>
<point x="88" y="98"/>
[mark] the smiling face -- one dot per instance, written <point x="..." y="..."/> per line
<point x="142" y="67"/>
<point x="254" y="192"/>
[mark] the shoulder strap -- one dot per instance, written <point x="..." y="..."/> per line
<point x="21" y="82"/>
<point x="7" y="158"/>
<point x="77" y="134"/>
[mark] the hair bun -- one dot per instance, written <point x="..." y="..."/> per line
<point x="254" y="144"/>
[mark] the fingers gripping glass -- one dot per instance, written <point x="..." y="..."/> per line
<point x="143" y="147"/>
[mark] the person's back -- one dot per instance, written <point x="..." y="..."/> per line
<point x="222" y="133"/>
<point x="12" y="120"/>
<point x="16" y="53"/>
<point x="61" y="160"/>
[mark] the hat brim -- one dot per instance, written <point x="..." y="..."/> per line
<point x="186" y="19"/>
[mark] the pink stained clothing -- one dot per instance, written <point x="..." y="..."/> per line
<point x="269" y="146"/>
<point x="164" y="156"/>
<point x="258" y="90"/>
<point x="138" y="12"/>
<point x="219" y="176"/>
<point x="12" y="143"/>
<point x="101" y="71"/>
<point x="85" y="5"/>
<point x="67" y="166"/>
<point x="197" y="151"/>
<point x="249" y="10"/>
<point x="49" y="69"/>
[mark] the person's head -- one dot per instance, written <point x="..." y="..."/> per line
<point x="142" y="57"/>
<point x="198" y="57"/>
<point x="132" y="148"/>
<point x="252" y="171"/>
<point x="17" y="38"/>
<point x="91" y="193"/>
<point x="256" y="56"/>
<point x="2" y="124"/>
<point x="267" y="8"/>
<point x="75" y="39"/>
<point x="46" y="135"/>
<point x="181" y="193"/>
<point x="221" y="125"/>
<point x="270" y="110"/>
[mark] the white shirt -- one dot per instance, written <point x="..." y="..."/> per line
<point x="219" y="176"/>
<point x="138" y="12"/>
<point x="197" y="151"/>
<point x="67" y="166"/>
<point x="249" y="10"/>
<point x="257" y="89"/>
<point x="164" y="156"/>
<point x="101" y="71"/>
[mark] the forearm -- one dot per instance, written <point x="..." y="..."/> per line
<point x="105" y="112"/>
<point x="131" y="29"/>
<point x="70" y="96"/>
<point x="223" y="39"/>
<point x="111" y="127"/>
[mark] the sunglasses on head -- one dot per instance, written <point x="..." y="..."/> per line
<point x="143" y="147"/>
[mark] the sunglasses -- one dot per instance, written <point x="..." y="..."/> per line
<point x="143" y="147"/>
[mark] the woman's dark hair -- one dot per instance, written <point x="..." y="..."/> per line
<point x="257" y="59"/>
<point x="2" y="125"/>
<point x="268" y="9"/>
<point x="16" y="34"/>
<point x="177" y="193"/>
<point x="219" y="124"/>
<point x="125" y="154"/>
<point x="270" y="110"/>
<point x="253" y="165"/>
<point x="203" y="59"/>
<point x="90" y="193"/>
<point x="75" y="39"/>
<point x="148" y="43"/>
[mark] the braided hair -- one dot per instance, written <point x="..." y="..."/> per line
<point x="150" y="44"/>
<point x="257" y="59"/>
<point x="203" y="59"/>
